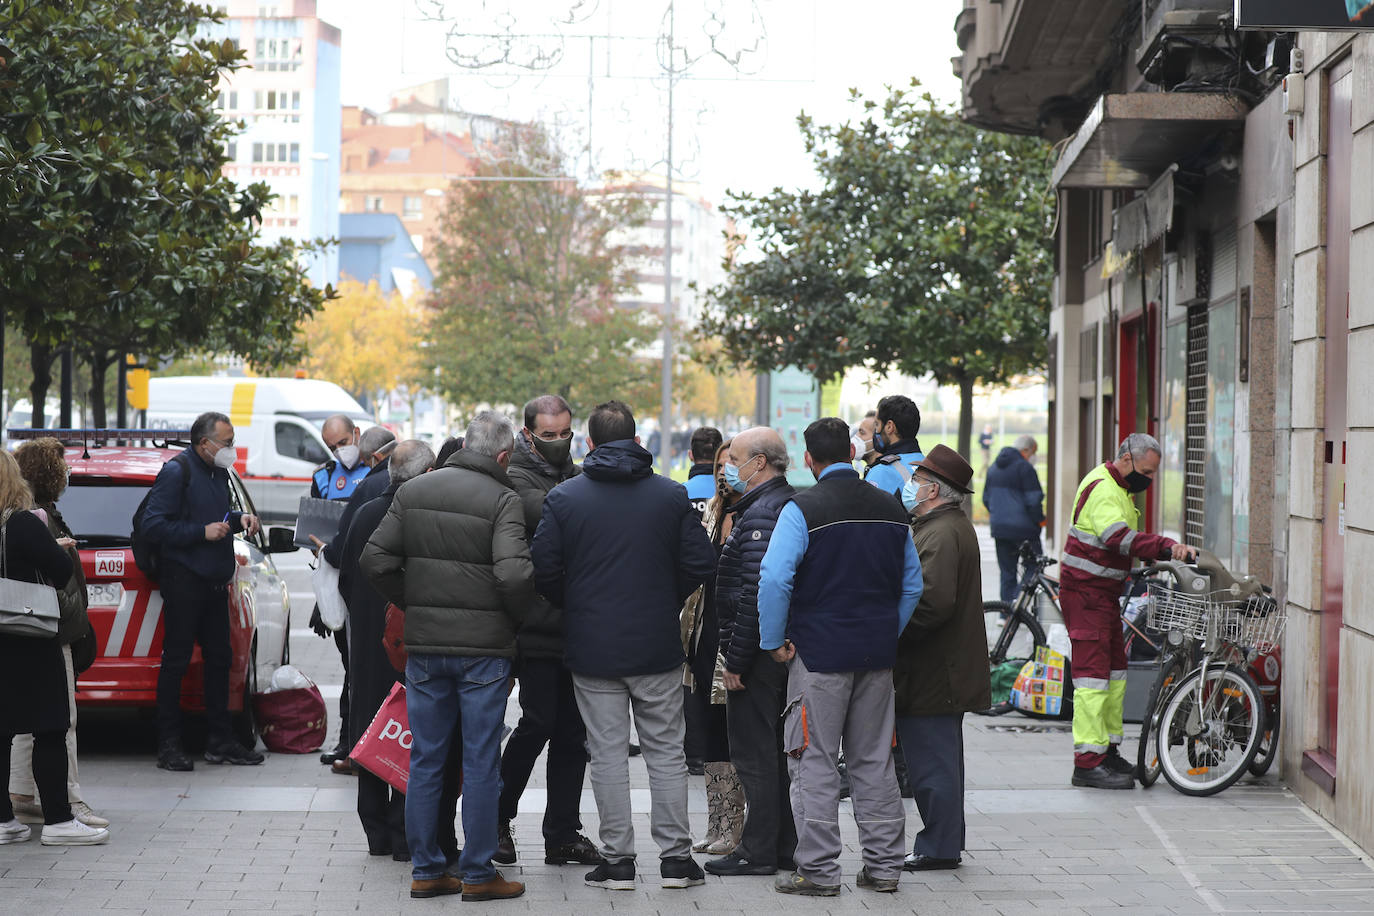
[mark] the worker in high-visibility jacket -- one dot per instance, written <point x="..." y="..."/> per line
<point x="1104" y="536"/>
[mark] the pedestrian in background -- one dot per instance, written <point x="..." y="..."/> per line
<point x="724" y="794"/>
<point x="839" y="581"/>
<point x="619" y="548"/>
<point x="451" y="553"/>
<point x="381" y="808"/>
<point x="864" y="450"/>
<point x="191" y="521"/>
<point x="985" y="445"/>
<point x="942" y="657"/>
<point x="45" y="469"/>
<point x="894" y="438"/>
<point x="33" y="679"/>
<point x="548" y="707"/>
<point x="1014" y="502"/>
<point x="757" y="682"/>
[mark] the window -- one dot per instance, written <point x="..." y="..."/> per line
<point x="276" y="152"/>
<point x="295" y="441"/>
<point x="232" y="151"/>
<point x="228" y="100"/>
<point x="398" y="154"/>
<point x="274" y="54"/>
<point x="372" y="203"/>
<point x="411" y="208"/>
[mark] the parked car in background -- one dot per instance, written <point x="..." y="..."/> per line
<point x="277" y="424"/>
<point x="107" y="485"/>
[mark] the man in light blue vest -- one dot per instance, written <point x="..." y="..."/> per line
<point x="894" y="438"/>
<point x="701" y="480"/>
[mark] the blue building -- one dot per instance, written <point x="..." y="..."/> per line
<point x="376" y="246"/>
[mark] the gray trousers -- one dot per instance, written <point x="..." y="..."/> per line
<point x="823" y="710"/>
<point x="656" y="702"/>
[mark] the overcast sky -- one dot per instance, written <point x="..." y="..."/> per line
<point x="732" y="131"/>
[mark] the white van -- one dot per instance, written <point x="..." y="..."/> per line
<point x="277" y="425"/>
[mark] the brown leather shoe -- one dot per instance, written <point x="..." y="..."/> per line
<point x="497" y="888"/>
<point x="436" y="887"/>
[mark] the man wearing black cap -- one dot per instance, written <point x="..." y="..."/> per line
<point x="942" y="656"/>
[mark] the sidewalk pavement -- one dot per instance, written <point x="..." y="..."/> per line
<point x="283" y="838"/>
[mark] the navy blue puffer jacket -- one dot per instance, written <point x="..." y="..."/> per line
<point x="737" y="577"/>
<point x="1013" y="497"/>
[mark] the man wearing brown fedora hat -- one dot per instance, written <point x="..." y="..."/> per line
<point x="942" y="656"/>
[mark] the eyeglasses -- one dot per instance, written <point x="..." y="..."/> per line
<point x="551" y="436"/>
<point x="229" y="444"/>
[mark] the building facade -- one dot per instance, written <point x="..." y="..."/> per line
<point x="288" y="101"/>
<point x="1215" y="205"/>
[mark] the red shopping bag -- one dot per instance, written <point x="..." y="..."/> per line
<point x="384" y="748"/>
<point x="291" y="721"/>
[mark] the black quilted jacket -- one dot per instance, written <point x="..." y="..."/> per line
<point x="737" y="577"/>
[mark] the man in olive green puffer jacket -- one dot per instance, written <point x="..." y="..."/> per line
<point x="451" y="552"/>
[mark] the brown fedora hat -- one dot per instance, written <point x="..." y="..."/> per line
<point x="948" y="465"/>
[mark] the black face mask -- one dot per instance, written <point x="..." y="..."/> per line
<point x="554" y="451"/>
<point x="1137" y="482"/>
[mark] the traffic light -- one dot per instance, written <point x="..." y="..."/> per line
<point x="138" y="388"/>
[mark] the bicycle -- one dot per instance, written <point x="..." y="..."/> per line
<point x="1206" y="717"/>
<point x="1018" y="622"/>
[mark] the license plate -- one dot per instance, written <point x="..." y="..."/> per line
<point x="104" y="594"/>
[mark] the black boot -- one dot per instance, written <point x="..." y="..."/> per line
<point x="1101" y="777"/>
<point x="170" y="756"/>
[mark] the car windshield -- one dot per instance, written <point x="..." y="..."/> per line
<point x="101" y="514"/>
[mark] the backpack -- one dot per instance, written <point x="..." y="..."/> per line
<point x="147" y="556"/>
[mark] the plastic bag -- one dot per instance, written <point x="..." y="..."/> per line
<point x="287" y="677"/>
<point x="1058" y="640"/>
<point x="325" y="581"/>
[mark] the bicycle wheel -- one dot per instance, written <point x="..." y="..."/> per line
<point x="1210" y="730"/>
<point x="1011" y="633"/>
<point x="1269" y="742"/>
<point x="1170" y="672"/>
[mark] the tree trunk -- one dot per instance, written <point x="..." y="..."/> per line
<point x="40" y="361"/>
<point x="966" y="417"/>
<point x="99" y="362"/>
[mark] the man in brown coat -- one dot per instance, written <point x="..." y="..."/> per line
<point x="942" y="657"/>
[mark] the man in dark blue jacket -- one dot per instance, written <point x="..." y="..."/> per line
<point x="191" y="520"/>
<point x="619" y="549"/>
<point x="757" y="682"/>
<point x="839" y="582"/>
<point x="1013" y="498"/>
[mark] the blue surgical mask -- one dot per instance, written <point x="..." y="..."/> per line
<point x="909" y="497"/>
<point x="732" y="478"/>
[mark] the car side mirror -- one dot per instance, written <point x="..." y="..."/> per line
<point x="281" y="539"/>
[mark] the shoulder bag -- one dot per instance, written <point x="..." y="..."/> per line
<point x="26" y="608"/>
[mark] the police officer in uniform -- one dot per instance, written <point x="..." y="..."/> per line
<point x="337" y="478"/>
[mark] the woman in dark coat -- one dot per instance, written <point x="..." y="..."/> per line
<point x="32" y="668"/>
<point x="724" y="794"/>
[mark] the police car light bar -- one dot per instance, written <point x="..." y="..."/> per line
<point x="102" y="435"/>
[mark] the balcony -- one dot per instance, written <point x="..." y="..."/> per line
<point x="1183" y="40"/>
<point x="1032" y="66"/>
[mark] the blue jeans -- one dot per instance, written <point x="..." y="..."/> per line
<point x="1008" y="563"/>
<point x="438" y="688"/>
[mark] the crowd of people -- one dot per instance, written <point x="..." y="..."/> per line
<point x="734" y="624"/>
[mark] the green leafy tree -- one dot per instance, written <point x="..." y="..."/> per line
<point x="925" y="250"/>
<point x="527" y="275"/>
<point x="121" y="234"/>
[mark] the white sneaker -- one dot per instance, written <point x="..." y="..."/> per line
<point x="74" y="833"/>
<point x="85" y="815"/>
<point x="14" y="832"/>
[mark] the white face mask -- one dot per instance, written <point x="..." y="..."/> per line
<point x="225" y="457"/>
<point x="348" y="456"/>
